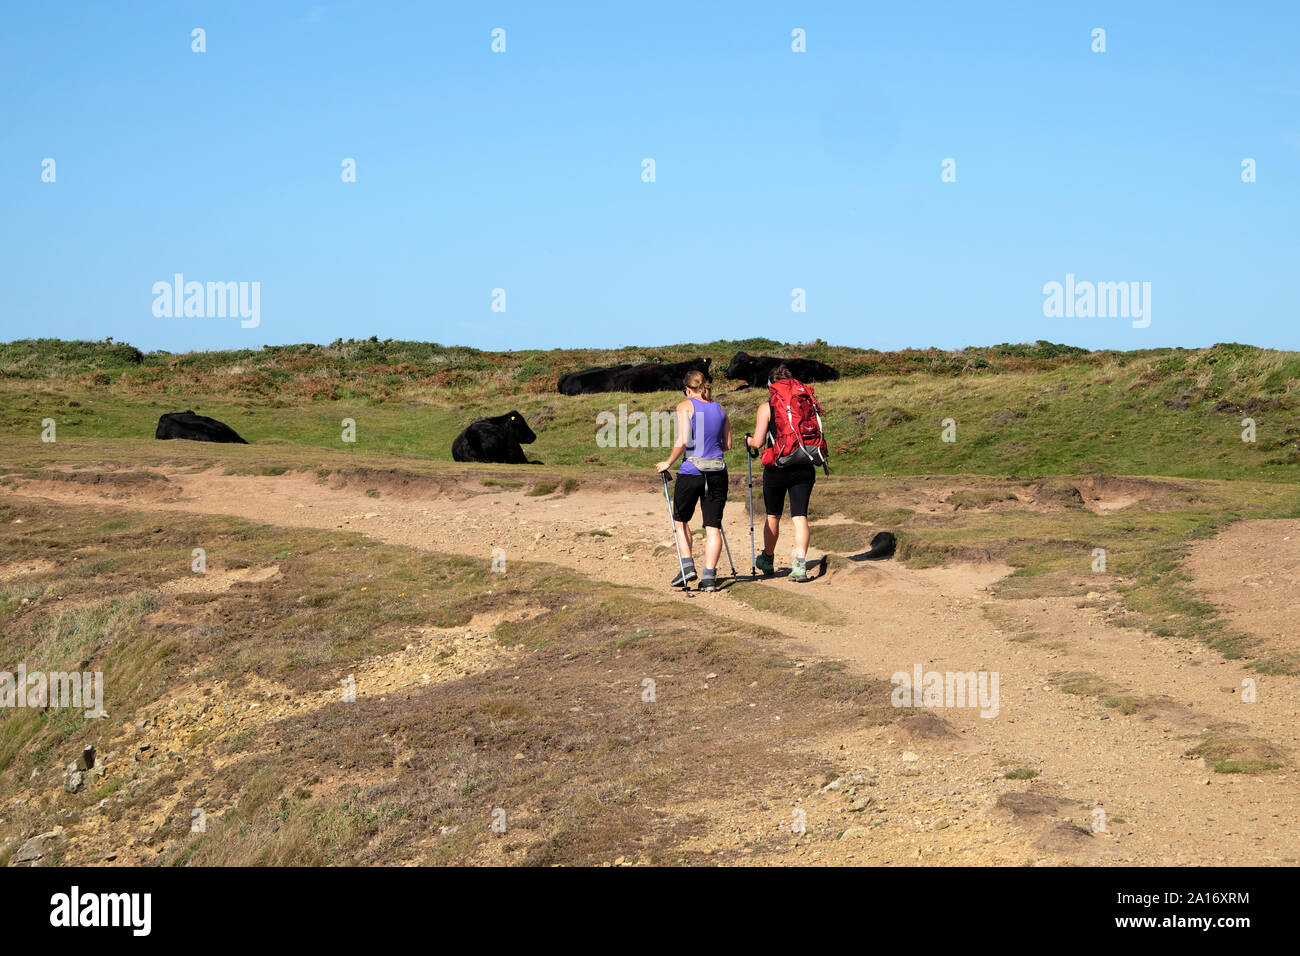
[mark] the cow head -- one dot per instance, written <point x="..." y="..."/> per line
<point x="519" y="428"/>
<point x="742" y="364"/>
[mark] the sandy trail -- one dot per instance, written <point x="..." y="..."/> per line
<point x="1171" y="809"/>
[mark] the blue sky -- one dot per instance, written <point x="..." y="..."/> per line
<point x="775" y="170"/>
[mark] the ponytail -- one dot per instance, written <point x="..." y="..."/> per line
<point x="696" y="381"/>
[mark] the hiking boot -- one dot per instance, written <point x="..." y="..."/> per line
<point x="690" y="576"/>
<point x="765" y="564"/>
<point x="709" y="582"/>
<point x="799" y="571"/>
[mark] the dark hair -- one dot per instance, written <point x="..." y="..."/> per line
<point x="694" y="379"/>
<point x="779" y="373"/>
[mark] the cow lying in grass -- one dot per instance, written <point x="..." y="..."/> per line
<point x="755" y="369"/>
<point x="195" y="428"/>
<point x="654" y="377"/>
<point x="498" y="439"/>
<point x="590" y="380"/>
<point x="646" y="377"/>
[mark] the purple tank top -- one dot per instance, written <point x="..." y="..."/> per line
<point x="706" y="433"/>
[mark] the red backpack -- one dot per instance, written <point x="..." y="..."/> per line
<point x="796" y="427"/>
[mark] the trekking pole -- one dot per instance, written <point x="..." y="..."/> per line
<point x="749" y="468"/>
<point x="728" y="547"/>
<point x="686" y="585"/>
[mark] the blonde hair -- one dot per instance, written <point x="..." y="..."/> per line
<point x="696" y="381"/>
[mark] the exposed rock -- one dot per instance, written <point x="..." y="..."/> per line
<point x="848" y="782"/>
<point x="74" y="780"/>
<point x="37" y="847"/>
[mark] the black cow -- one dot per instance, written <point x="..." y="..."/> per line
<point x="755" y="369"/>
<point x="590" y="380"/>
<point x="497" y="439"/>
<point x="646" y="377"/>
<point x="883" y="546"/>
<point x="195" y="428"/>
<point x="657" y="377"/>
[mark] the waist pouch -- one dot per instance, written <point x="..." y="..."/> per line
<point x="801" y="457"/>
<point x="706" y="465"/>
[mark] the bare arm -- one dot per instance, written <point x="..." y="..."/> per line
<point x="761" y="422"/>
<point x="726" y="432"/>
<point x="684" y="412"/>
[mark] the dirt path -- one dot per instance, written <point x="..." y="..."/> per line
<point x="1252" y="570"/>
<point x="942" y="798"/>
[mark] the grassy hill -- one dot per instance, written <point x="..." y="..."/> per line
<point x="1019" y="409"/>
<point x="538" y="706"/>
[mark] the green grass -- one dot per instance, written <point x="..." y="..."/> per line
<point x="1084" y="684"/>
<point x="847" y="538"/>
<point x="779" y="598"/>
<point x="1025" y="637"/>
<point x="1125" y="703"/>
<point x="1034" y="410"/>
<point x="1229" y="765"/>
<point x="1227" y="750"/>
<point x="981" y="498"/>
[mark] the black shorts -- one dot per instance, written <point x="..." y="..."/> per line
<point x="709" y="489"/>
<point x="797" y="480"/>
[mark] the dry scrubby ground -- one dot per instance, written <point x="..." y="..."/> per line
<point x="523" y="692"/>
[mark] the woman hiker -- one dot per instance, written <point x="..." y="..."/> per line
<point x="702" y="477"/>
<point x="796" y="480"/>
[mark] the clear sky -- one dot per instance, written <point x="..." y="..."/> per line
<point x="774" y="170"/>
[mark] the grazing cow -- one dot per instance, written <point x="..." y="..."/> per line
<point x="497" y="439"/>
<point x="195" y="428"/>
<point x="883" y="546"/>
<point x="590" y="380"/>
<point x="656" y="377"/>
<point x="755" y="369"/>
